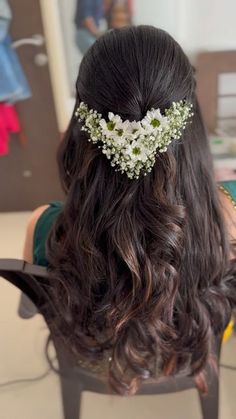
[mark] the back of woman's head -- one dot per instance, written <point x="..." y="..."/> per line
<point x="140" y="265"/>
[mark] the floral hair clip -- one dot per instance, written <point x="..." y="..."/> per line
<point x="132" y="146"/>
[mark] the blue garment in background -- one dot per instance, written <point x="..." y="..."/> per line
<point x="84" y="40"/>
<point x="88" y="8"/>
<point x="13" y="84"/>
<point x="5" y="17"/>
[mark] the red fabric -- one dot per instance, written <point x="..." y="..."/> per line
<point x="9" y="123"/>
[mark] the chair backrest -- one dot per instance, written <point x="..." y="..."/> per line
<point x="33" y="281"/>
<point x="30" y="279"/>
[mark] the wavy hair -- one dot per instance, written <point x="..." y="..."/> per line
<point x="140" y="268"/>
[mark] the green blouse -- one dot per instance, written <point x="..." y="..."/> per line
<point x="41" y="232"/>
<point x="229" y="187"/>
<point x="46" y="220"/>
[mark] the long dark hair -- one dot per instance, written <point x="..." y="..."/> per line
<point x="140" y="268"/>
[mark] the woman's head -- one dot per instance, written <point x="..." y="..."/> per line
<point x="129" y="72"/>
<point x="140" y="262"/>
<point x="132" y="70"/>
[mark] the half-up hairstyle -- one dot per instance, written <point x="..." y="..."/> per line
<point x="140" y="268"/>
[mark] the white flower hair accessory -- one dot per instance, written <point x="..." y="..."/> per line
<point x="132" y="146"/>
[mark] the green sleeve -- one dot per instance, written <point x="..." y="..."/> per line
<point x="42" y="229"/>
<point x="229" y="187"/>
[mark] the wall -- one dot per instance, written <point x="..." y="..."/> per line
<point x="208" y="25"/>
<point x="160" y="13"/>
<point x="72" y="54"/>
<point x="56" y="54"/>
<point x="196" y="24"/>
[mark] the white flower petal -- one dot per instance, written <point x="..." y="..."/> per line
<point x="111" y="116"/>
<point x="103" y="124"/>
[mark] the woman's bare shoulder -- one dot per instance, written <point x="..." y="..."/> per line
<point x="29" y="237"/>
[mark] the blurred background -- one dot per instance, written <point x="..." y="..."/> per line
<point x="41" y="46"/>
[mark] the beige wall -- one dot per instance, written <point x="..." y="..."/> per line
<point x="57" y="65"/>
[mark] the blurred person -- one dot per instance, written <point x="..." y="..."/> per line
<point x="87" y="19"/>
<point x="141" y="254"/>
<point x="119" y="13"/>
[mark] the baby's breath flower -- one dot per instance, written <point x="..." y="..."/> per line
<point x="131" y="147"/>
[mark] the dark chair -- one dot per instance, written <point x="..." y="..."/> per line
<point x="33" y="282"/>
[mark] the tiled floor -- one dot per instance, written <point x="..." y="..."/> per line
<point x="22" y="356"/>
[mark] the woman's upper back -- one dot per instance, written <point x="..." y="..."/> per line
<point x="227" y="195"/>
<point x="47" y="216"/>
<point x="42" y="229"/>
